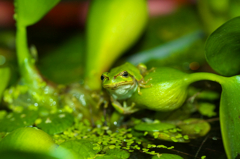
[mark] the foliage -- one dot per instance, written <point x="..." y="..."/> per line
<point x="222" y="48"/>
<point x="72" y="114"/>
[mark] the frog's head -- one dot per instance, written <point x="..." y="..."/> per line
<point x="119" y="82"/>
<point x="113" y="80"/>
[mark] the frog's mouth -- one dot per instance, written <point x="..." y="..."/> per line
<point x="116" y="86"/>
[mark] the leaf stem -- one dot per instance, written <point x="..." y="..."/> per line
<point x="194" y="77"/>
<point x="26" y="63"/>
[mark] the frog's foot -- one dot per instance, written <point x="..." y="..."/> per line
<point x="101" y="100"/>
<point x="124" y="109"/>
<point x="143" y="84"/>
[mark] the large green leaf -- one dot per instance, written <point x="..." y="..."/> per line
<point x="223" y="48"/>
<point x="56" y="123"/>
<point x="113" y="26"/>
<point x="14" y="120"/>
<point x="83" y="148"/>
<point x="29" y="12"/>
<point x="230" y="115"/>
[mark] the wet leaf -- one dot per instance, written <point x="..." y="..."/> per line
<point x="83" y="148"/>
<point x="15" y="120"/>
<point x="223" y="47"/>
<point x="28" y="12"/>
<point x="153" y="126"/>
<point x="56" y="123"/>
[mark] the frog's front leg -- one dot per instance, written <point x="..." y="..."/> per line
<point x="125" y="109"/>
<point x="143" y="84"/>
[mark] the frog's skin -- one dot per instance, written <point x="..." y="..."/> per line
<point x="122" y="82"/>
<point x="163" y="89"/>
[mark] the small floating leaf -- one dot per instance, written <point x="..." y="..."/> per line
<point x="153" y="126"/>
<point x="207" y="109"/>
<point x="195" y="127"/>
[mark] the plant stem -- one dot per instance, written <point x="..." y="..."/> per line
<point x="26" y="62"/>
<point x="194" y="77"/>
<point x="22" y="47"/>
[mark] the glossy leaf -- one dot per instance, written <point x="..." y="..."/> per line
<point x="112" y="27"/>
<point x="153" y="126"/>
<point x="230" y="116"/>
<point x="28" y="12"/>
<point x="4" y="79"/>
<point x="223" y="47"/>
<point x="56" y="123"/>
<point x="28" y="139"/>
<point x="24" y="155"/>
<point x="15" y="120"/>
<point x="83" y="148"/>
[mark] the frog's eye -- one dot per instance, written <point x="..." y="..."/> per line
<point x="102" y="77"/>
<point x="125" y="74"/>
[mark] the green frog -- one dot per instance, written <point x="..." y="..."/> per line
<point x="134" y="87"/>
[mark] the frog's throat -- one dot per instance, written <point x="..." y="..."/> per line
<point x="117" y="85"/>
<point x="123" y="92"/>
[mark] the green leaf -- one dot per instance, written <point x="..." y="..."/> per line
<point x="153" y="126"/>
<point x="25" y="155"/>
<point x="29" y="12"/>
<point x="207" y="109"/>
<point x="56" y="123"/>
<point x="119" y="25"/>
<point x="114" y="153"/>
<point x="230" y="115"/>
<point x="15" y="120"/>
<point x="59" y="153"/>
<point x="118" y="153"/>
<point x="167" y="156"/>
<point x="4" y="78"/>
<point x="223" y="47"/>
<point x="56" y="67"/>
<point x="83" y="148"/>
<point x="194" y="127"/>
